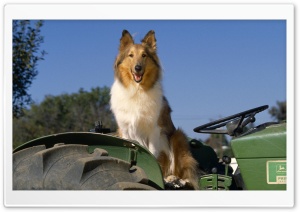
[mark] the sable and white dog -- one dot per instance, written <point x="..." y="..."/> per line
<point x="143" y="113"/>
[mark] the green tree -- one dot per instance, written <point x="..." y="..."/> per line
<point x="75" y="112"/>
<point x="278" y="112"/>
<point x="26" y="54"/>
<point x="217" y="142"/>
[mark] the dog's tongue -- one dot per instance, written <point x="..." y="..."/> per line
<point x="137" y="77"/>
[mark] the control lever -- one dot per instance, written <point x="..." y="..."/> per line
<point x="227" y="161"/>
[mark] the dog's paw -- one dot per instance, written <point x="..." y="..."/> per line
<point x="174" y="183"/>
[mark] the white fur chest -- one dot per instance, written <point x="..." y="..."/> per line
<point x="137" y="112"/>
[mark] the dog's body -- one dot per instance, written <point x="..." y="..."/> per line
<point x="143" y="113"/>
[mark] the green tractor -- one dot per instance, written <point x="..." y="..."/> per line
<point x="98" y="160"/>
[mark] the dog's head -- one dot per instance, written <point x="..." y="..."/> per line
<point x="137" y="63"/>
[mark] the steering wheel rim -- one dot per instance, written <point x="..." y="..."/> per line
<point x="211" y="127"/>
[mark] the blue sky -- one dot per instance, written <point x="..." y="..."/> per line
<point x="211" y="69"/>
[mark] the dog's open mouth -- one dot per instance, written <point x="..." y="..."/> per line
<point x="137" y="77"/>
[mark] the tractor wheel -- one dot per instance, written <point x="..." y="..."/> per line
<point x="72" y="167"/>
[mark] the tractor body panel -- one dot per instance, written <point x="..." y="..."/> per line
<point x="261" y="157"/>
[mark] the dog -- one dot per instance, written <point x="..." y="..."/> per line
<point x="143" y="113"/>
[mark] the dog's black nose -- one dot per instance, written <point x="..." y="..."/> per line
<point x="138" y="68"/>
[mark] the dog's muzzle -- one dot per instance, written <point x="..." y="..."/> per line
<point x="138" y="73"/>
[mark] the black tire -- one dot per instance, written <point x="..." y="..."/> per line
<point x="72" y="167"/>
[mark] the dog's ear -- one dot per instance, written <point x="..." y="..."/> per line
<point x="125" y="40"/>
<point x="150" y="40"/>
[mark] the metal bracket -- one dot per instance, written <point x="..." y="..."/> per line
<point x="132" y="156"/>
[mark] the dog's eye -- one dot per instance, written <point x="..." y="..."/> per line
<point x="130" y="55"/>
<point x="144" y="55"/>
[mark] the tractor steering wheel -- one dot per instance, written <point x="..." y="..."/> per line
<point x="234" y="124"/>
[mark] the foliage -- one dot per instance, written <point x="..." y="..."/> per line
<point x="26" y="54"/>
<point x="75" y="112"/>
<point x="279" y="112"/>
<point x="220" y="144"/>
